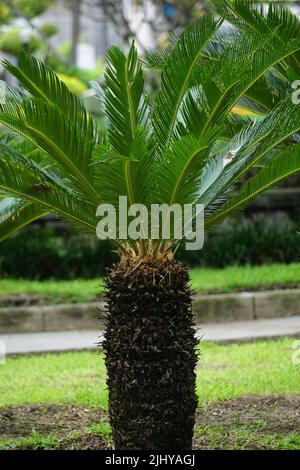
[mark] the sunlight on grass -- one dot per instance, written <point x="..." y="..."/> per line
<point x="245" y="277"/>
<point x="228" y="371"/>
<point x="54" y="378"/>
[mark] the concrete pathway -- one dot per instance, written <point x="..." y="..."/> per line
<point x="25" y="343"/>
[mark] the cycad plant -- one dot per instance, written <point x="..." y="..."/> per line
<point x="224" y="108"/>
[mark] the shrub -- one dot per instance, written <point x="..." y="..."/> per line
<point x="41" y="252"/>
<point x="49" y="29"/>
<point x="11" y="41"/>
<point x="245" y="241"/>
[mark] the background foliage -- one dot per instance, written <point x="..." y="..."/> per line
<point x="45" y="252"/>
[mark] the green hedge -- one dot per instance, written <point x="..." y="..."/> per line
<point x="43" y="252"/>
<point x="248" y="242"/>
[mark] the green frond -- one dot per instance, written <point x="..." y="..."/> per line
<point x="127" y="113"/>
<point x="259" y="18"/>
<point x="268" y="91"/>
<point x="124" y="175"/>
<point x="236" y="124"/>
<point x="176" y="77"/>
<point x="16" y="214"/>
<point x="125" y="104"/>
<point x="44" y="126"/>
<point x="178" y="173"/>
<point x="282" y="166"/>
<point x="8" y="91"/>
<point x="278" y="126"/>
<point x="253" y="68"/>
<point x="42" y="83"/>
<point x="155" y="59"/>
<point x="20" y="180"/>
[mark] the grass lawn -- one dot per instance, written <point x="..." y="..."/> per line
<point x="202" y="280"/>
<point x="249" y="396"/>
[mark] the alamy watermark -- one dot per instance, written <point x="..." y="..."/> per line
<point x="2" y="352"/>
<point x="2" y="93"/>
<point x="159" y="222"/>
<point x="296" y="93"/>
<point x="296" y="354"/>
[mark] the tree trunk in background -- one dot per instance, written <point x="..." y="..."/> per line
<point x="76" y="4"/>
<point x="150" y="356"/>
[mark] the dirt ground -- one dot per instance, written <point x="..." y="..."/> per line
<point x="249" y="422"/>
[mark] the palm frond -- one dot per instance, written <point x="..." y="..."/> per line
<point x="127" y="114"/>
<point x="282" y="166"/>
<point x="19" y="179"/>
<point x="178" y="173"/>
<point x="44" y="126"/>
<point x="278" y="126"/>
<point x="265" y="56"/>
<point x="8" y="91"/>
<point x="16" y="214"/>
<point x="123" y="175"/>
<point x="176" y="77"/>
<point x="257" y="18"/>
<point x="42" y="83"/>
<point x="125" y="104"/>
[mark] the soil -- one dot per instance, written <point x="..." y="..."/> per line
<point x="20" y="420"/>
<point x="261" y="415"/>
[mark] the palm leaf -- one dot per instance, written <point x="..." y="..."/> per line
<point x="279" y="125"/>
<point x="19" y="179"/>
<point x="284" y="165"/>
<point x="177" y="174"/>
<point x="44" y="126"/>
<point x="127" y="113"/>
<point x="42" y="83"/>
<point x="16" y="214"/>
<point x="255" y="17"/>
<point x="176" y="76"/>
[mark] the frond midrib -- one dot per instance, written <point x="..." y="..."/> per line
<point x="51" y="208"/>
<point x="79" y="174"/>
<point x="182" y="92"/>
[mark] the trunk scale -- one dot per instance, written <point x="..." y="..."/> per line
<point x="150" y="356"/>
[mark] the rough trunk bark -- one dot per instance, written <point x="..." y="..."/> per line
<point x="150" y="356"/>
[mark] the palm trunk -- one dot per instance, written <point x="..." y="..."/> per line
<point x="150" y="356"/>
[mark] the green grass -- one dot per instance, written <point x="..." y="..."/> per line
<point x="56" y="291"/>
<point x="239" y="438"/>
<point x="77" y="377"/>
<point x="224" y="371"/>
<point x="242" y="437"/>
<point x="202" y="280"/>
<point x="229" y="371"/>
<point x="34" y="442"/>
<point x="245" y="277"/>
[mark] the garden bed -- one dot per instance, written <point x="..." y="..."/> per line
<point x="248" y="422"/>
<point x="249" y="398"/>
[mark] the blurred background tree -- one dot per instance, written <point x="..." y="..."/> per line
<point x="15" y="35"/>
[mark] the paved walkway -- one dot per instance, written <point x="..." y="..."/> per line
<point x="25" y="343"/>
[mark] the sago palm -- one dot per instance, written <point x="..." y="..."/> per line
<point x="191" y="143"/>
